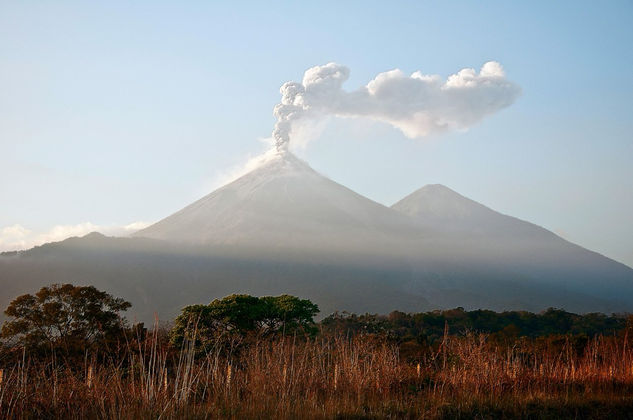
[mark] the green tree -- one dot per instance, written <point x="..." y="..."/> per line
<point x="64" y="316"/>
<point x="287" y="314"/>
<point x="240" y="315"/>
<point x="231" y="316"/>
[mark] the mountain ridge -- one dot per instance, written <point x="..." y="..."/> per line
<point x="284" y="201"/>
<point x="285" y="228"/>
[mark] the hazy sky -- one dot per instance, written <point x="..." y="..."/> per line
<point x="115" y="113"/>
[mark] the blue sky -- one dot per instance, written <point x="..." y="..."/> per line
<point x="118" y="112"/>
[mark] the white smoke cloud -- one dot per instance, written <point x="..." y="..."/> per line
<point x="418" y="105"/>
<point x="17" y="237"/>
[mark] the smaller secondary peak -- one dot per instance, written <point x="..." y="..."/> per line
<point x="437" y="200"/>
<point x="438" y="191"/>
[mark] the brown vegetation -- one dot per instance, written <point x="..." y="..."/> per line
<point x="331" y="376"/>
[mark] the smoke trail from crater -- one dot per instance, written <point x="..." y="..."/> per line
<point x="418" y="105"/>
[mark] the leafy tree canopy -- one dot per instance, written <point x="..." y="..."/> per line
<point x="238" y="315"/>
<point x="63" y="316"/>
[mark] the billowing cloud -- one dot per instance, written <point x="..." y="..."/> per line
<point x="419" y="105"/>
<point x="17" y="237"/>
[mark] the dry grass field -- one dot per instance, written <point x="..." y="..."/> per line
<point x="352" y="377"/>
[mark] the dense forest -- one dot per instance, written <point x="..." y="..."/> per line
<point x="429" y="327"/>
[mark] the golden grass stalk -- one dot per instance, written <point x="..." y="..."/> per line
<point x="287" y="378"/>
<point x="90" y="376"/>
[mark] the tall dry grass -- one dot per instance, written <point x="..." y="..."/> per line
<point x="328" y="377"/>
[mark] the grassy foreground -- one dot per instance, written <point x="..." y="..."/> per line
<point x="351" y="377"/>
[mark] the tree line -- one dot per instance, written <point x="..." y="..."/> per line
<point x="70" y="319"/>
<point x="430" y="327"/>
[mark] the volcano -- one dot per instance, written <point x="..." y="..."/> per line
<point x="287" y="205"/>
<point x="285" y="228"/>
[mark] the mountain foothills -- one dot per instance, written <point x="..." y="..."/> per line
<point x="284" y="228"/>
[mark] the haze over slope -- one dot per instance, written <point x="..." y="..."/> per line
<point x="492" y="238"/>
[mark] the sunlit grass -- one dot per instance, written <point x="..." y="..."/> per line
<point x="325" y="377"/>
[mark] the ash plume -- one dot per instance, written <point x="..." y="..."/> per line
<point x="418" y="105"/>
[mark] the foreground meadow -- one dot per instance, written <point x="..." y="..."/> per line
<point x="329" y="377"/>
<point x="67" y="353"/>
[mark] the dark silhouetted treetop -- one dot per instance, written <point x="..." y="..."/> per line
<point x="429" y="326"/>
